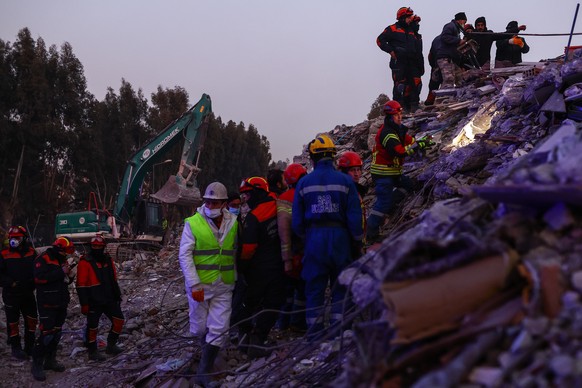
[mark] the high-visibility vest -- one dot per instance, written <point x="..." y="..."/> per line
<point x="210" y="258"/>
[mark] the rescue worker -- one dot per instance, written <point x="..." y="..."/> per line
<point x="234" y="203"/>
<point x="485" y="41"/>
<point x="509" y="50"/>
<point x="261" y="265"/>
<point x="350" y="163"/>
<point x="447" y="55"/>
<point x="276" y="182"/>
<point x="327" y="214"/>
<point x="99" y="294"/>
<point x="392" y="145"/>
<point x="293" y="310"/>
<point x="207" y="258"/>
<point x="17" y="281"/>
<point x="400" y="42"/>
<point x="52" y="276"/>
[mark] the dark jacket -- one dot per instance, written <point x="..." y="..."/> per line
<point x="390" y="149"/>
<point x="485" y="41"/>
<point x="510" y="52"/>
<point x="450" y="39"/>
<point x="261" y="246"/>
<point x="399" y="37"/>
<point x="52" y="285"/>
<point x="434" y="48"/>
<point x="97" y="280"/>
<point x="17" y="270"/>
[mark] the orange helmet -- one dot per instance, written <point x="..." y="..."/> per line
<point x="293" y="173"/>
<point x="255" y="182"/>
<point x="64" y="245"/>
<point x="392" y="107"/>
<point x="98" y="242"/>
<point x="349" y="159"/>
<point x="17" y="231"/>
<point x="404" y="12"/>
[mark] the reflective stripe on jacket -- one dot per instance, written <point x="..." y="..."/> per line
<point x="210" y="258"/>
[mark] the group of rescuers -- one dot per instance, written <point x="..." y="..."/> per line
<point x="449" y="56"/>
<point x="298" y="232"/>
<point x="36" y="286"/>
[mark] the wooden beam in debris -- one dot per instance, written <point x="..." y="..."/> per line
<point x="542" y="195"/>
<point x="512" y="70"/>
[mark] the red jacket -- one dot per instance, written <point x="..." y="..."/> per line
<point x="97" y="281"/>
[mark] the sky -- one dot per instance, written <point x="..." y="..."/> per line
<point x="290" y="68"/>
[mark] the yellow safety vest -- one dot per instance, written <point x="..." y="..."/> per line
<point x="210" y="258"/>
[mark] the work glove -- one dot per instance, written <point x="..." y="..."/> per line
<point x="425" y="142"/>
<point x="85" y="309"/>
<point x="294" y="266"/>
<point x="198" y="295"/>
<point x="516" y="40"/>
<point x="522" y="27"/>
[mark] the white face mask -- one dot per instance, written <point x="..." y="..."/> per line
<point x="212" y="213"/>
<point x="15" y="242"/>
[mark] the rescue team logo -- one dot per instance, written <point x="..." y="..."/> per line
<point x="324" y="205"/>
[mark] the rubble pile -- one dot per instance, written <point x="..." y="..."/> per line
<point x="478" y="280"/>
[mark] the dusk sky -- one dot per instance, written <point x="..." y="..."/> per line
<point x="291" y="68"/>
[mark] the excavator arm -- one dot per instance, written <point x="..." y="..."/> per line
<point x="181" y="188"/>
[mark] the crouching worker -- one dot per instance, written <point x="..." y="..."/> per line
<point x="99" y="294"/>
<point x="52" y="276"/>
<point x="207" y="250"/>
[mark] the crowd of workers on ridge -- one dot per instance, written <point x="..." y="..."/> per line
<point x="36" y="287"/>
<point x="448" y="61"/>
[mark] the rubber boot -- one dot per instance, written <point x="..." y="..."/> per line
<point x="94" y="353"/>
<point x="51" y="363"/>
<point x="17" y="351"/>
<point x="209" y="353"/>
<point x="28" y="343"/>
<point x="112" y="347"/>
<point x="37" y="369"/>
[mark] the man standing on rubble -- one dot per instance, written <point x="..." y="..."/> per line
<point x="52" y="276"/>
<point x="448" y="56"/>
<point x="327" y="214"/>
<point x="485" y="41"/>
<point x="400" y="42"/>
<point x="99" y="294"/>
<point x="392" y="145"/>
<point x="207" y="259"/>
<point x="17" y="281"/>
<point x="509" y="50"/>
<point x="262" y="266"/>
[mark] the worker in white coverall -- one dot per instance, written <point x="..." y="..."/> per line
<point x="207" y="257"/>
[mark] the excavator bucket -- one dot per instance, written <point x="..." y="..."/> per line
<point x="178" y="194"/>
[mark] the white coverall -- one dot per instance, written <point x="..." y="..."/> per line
<point x="214" y="312"/>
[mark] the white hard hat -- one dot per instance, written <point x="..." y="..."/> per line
<point x="215" y="190"/>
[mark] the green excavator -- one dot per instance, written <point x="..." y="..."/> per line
<point x="137" y="218"/>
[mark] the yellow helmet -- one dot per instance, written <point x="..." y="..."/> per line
<point x="322" y="144"/>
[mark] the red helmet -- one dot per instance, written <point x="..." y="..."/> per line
<point x="65" y="245"/>
<point x="404" y="12"/>
<point x="293" y="173"/>
<point x="98" y="242"/>
<point x="17" y="231"/>
<point x="255" y="182"/>
<point x="349" y="159"/>
<point x="392" y="107"/>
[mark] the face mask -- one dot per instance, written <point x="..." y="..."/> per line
<point x="14" y="243"/>
<point x="212" y="213"/>
<point x="234" y="210"/>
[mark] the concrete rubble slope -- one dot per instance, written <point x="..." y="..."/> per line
<point x="477" y="281"/>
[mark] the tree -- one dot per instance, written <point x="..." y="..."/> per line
<point x="377" y="108"/>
